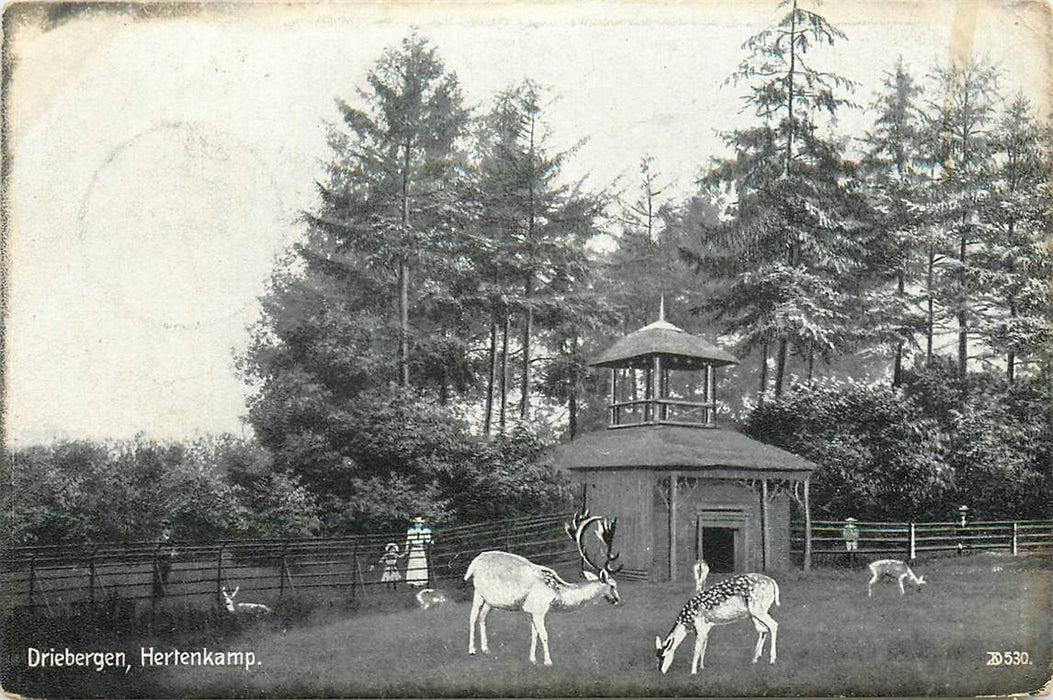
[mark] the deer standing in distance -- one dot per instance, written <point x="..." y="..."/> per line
<point x="242" y="608"/>
<point x="701" y="572"/>
<point x="740" y="597"/>
<point x="510" y="582"/>
<point x="893" y="568"/>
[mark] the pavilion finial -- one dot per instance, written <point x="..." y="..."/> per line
<point x="661" y="308"/>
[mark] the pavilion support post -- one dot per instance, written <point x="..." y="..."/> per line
<point x="672" y="525"/>
<point x="807" y="528"/>
<point x="614" y="396"/>
<point x="656" y="390"/>
<point x="765" y="539"/>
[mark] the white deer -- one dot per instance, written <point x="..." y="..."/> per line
<point x="242" y="608"/>
<point x="736" y="598"/>
<point x="510" y="582"/>
<point x="701" y="572"/>
<point x="893" y="568"/>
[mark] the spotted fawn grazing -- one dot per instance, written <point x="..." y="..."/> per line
<point x="892" y="568"/>
<point x="741" y="597"/>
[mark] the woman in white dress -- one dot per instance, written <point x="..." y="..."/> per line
<point x="418" y="537"/>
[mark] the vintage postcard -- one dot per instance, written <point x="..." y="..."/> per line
<point x="527" y="349"/>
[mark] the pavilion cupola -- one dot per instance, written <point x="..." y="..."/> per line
<point x="662" y="375"/>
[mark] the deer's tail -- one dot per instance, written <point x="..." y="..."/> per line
<point x="468" y="574"/>
<point x="776" y="585"/>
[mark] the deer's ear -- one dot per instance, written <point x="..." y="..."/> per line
<point x="604" y="576"/>
<point x="590" y="576"/>
<point x="658" y="643"/>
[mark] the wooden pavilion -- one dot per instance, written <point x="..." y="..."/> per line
<point x="682" y="487"/>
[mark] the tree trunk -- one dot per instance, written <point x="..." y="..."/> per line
<point x="572" y="410"/>
<point x="403" y="323"/>
<point x="491" y="378"/>
<point x="963" y="317"/>
<point x="503" y="414"/>
<point x="897" y="366"/>
<point x="930" y="316"/>
<point x="528" y="326"/>
<point x="780" y="366"/>
<point x="763" y="373"/>
<point x="404" y="273"/>
<point x="528" y="288"/>
<point x="1010" y="359"/>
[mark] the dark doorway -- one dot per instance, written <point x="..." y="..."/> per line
<point x="718" y="548"/>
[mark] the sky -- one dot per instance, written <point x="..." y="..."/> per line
<point x="159" y="161"/>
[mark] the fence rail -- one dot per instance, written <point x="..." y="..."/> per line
<point x="906" y="540"/>
<point x="55" y="576"/>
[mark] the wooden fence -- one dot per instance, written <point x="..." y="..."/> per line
<point x="266" y="570"/>
<point x="912" y="540"/>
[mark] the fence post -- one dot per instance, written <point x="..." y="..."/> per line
<point x="32" y="580"/>
<point x="281" y="571"/>
<point x="219" y="574"/>
<point x="1015" y="541"/>
<point x="354" y="571"/>
<point x="430" y="563"/>
<point x="913" y="550"/>
<point x="91" y="576"/>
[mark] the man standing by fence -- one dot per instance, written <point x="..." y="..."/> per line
<point x="962" y="525"/>
<point x="850" y="533"/>
<point x="163" y="559"/>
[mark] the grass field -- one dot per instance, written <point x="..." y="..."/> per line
<point x="833" y="640"/>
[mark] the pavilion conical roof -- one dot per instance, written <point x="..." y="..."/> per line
<point x="678" y="349"/>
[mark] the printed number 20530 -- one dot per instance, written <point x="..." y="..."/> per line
<point x="1008" y="658"/>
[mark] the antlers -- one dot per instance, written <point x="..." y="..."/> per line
<point x="605" y="531"/>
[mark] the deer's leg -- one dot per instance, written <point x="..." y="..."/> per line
<point x="870" y="584"/>
<point x="701" y="642"/>
<point x="533" y="642"/>
<point x="762" y="632"/>
<point x="477" y="604"/>
<point x="768" y="621"/>
<point x="901" y="591"/>
<point x="539" y="626"/>
<point x="482" y="626"/>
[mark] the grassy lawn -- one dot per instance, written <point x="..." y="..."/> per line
<point x="833" y="640"/>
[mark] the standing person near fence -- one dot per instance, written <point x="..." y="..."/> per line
<point x="390" y="562"/>
<point x="163" y="559"/>
<point x="850" y="534"/>
<point x="962" y="524"/>
<point x="418" y="538"/>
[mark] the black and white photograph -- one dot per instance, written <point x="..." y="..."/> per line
<point x="593" y="348"/>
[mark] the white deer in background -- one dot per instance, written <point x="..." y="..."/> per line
<point x="736" y="598"/>
<point x="242" y="608"/>
<point x="510" y="582"/>
<point x="701" y="572"/>
<point x="893" y="568"/>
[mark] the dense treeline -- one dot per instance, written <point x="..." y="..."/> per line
<point x="428" y="335"/>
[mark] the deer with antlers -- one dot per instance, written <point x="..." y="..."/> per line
<point x="740" y="597"/>
<point x="510" y="582"/>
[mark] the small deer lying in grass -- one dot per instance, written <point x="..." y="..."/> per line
<point x="242" y="608"/>
<point x="893" y="568"/>
<point x="740" y="597"/>
<point x="510" y="582"/>
<point x="427" y="597"/>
